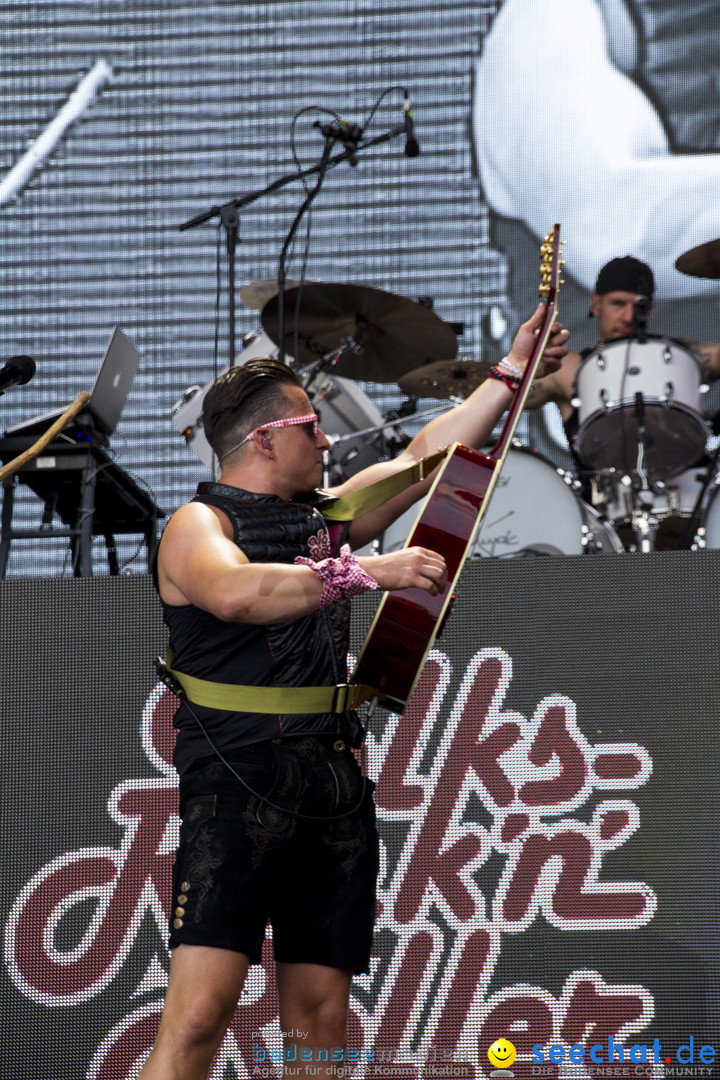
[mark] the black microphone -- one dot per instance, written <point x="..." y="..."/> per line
<point x="16" y="371"/>
<point x="640" y="318"/>
<point x="411" y="144"/>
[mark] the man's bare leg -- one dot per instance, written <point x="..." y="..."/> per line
<point x="313" y="1000"/>
<point x="202" y="995"/>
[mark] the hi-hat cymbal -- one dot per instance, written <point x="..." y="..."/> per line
<point x="701" y="261"/>
<point x="445" y="378"/>
<point x="378" y="335"/>
<point x="257" y="294"/>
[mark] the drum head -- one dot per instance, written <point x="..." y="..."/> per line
<point x="640" y="408"/>
<point x="532" y="511"/>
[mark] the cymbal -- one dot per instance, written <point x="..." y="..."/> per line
<point x="445" y="378"/>
<point x="378" y="335"/>
<point x="701" y="261"/>
<point x="257" y="294"/>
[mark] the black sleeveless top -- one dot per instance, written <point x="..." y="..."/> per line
<point x="310" y="651"/>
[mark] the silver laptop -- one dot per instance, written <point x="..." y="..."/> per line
<point x="108" y="396"/>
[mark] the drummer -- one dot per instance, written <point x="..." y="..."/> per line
<point x="614" y="303"/>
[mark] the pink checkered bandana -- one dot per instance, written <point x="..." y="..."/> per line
<point x="341" y="578"/>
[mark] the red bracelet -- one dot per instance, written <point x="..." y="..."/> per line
<point x="510" y="381"/>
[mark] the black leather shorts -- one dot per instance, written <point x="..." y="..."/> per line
<point x="299" y="850"/>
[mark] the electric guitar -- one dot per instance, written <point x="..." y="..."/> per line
<point x="408" y="620"/>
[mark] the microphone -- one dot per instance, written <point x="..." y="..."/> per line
<point x="640" y="318"/>
<point x="411" y="144"/>
<point x="18" y="370"/>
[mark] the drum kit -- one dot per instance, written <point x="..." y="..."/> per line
<point x="646" y="483"/>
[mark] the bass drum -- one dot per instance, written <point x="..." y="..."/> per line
<point x="533" y="510"/>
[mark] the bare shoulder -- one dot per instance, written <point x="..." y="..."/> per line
<point x="197" y="538"/>
<point x="195" y="516"/>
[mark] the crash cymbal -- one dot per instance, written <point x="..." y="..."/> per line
<point x="257" y="294"/>
<point x="701" y="261"/>
<point x="378" y="335"/>
<point x="444" y="378"/>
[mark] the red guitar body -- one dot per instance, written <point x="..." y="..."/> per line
<point x="408" y="620"/>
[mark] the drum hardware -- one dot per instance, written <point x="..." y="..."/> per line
<point x="661" y="516"/>
<point x="376" y="335"/>
<point x="645" y="526"/>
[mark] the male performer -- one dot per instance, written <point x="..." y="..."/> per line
<point x="278" y="823"/>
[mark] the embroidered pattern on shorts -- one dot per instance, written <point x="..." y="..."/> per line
<point x="347" y="841"/>
<point x="202" y="862"/>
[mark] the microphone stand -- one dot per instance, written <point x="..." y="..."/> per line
<point x="322" y="169"/>
<point x="227" y="213"/>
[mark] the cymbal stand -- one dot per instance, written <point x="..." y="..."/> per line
<point x="322" y="366"/>
<point x="338" y="440"/>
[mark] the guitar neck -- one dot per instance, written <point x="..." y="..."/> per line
<point x="502" y="446"/>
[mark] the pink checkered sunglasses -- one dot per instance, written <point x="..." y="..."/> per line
<point x="290" y="421"/>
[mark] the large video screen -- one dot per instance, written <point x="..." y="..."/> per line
<point x="123" y="121"/>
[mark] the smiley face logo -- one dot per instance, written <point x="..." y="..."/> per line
<point x="502" y="1053"/>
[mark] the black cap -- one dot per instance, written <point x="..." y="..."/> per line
<point x="626" y="275"/>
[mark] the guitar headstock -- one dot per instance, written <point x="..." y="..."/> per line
<point x="550" y="264"/>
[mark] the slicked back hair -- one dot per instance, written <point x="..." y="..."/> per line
<point x="244" y="398"/>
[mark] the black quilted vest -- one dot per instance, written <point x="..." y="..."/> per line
<point x="310" y="651"/>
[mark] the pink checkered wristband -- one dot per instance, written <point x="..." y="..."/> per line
<point x="342" y="577"/>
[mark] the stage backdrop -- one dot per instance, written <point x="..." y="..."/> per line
<point x="548" y="809"/>
<point x="123" y="120"/>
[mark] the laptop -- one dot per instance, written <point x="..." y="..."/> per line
<point x="107" y="398"/>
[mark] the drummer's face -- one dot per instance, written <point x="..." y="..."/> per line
<point x="615" y="312"/>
